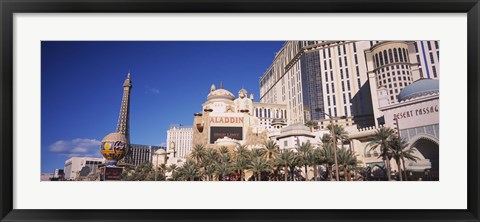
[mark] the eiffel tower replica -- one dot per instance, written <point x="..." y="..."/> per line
<point x="123" y="124"/>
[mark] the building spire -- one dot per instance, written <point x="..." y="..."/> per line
<point x="123" y="124"/>
<point x="221" y="86"/>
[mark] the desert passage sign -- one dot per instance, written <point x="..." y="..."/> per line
<point x="230" y="132"/>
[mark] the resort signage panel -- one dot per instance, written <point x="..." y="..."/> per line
<point x="416" y="112"/>
<point x="221" y="132"/>
<point x="216" y="120"/>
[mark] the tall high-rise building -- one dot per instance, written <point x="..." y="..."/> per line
<point x="319" y="80"/>
<point x="139" y="154"/>
<point x="180" y="137"/>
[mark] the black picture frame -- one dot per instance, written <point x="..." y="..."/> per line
<point x="9" y="7"/>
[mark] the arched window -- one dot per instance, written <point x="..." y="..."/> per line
<point x="395" y="54"/>
<point x="385" y="56"/>
<point x="381" y="59"/>
<point x="405" y="54"/>
<point x="390" y="56"/>
<point x="377" y="64"/>
<point x="400" y="54"/>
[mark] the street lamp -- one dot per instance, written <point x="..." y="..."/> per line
<point x="337" y="177"/>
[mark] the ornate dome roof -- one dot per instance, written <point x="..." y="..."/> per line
<point x="220" y="94"/>
<point x="419" y="88"/>
<point x="295" y="129"/>
<point x="113" y="137"/>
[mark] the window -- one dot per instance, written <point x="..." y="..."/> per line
<point x="385" y="56"/>
<point x="341" y="73"/>
<point x="359" y="83"/>
<point x="323" y="53"/>
<point x="431" y="58"/>
<point x="326" y="76"/>
<point x="344" y="99"/>
<point x="395" y="55"/>
<point x="328" y="100"/>
<point x="338" y="48"/>
<point x="358" y="71"/>
<point x="329" y="55"/>
<point x="400" y="54"/>
<point x="334" y="100"/>
<point x="348" y="85"/>
<point x="335" y="111"/>
<point x="434" y="71"/>
<point x="344" y="50"/>
<point x="405" y="54"/>
<point x="345" y="60"/>
<point x="328" y="90"/>
<point x="436" y="44"/>
<point x="340" y="61"/>
<point x="418" y="58"/>
<point x="381" y="59"/>
<point x="355" y="47"/>
<point x="346" y="73"/>
<point x="390" y="55"/>
<point x="345" y="109"/>
<point x="377" y="64"/>
<point x="416" y="47"/>
<point x="429" y="44"/>
<point x="343" y="86"/>
<point x="333" y="88"/>
<point x="325" y="63"/>
<point x="330" y="61"/>
<point x="331" y="75"/>
<point x="356" y="59"/>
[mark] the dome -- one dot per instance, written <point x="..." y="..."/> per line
<point x="220" y="94"/>
<point x="113" y="137"/>
<point x="160" y="152"/>
<point x="295" y="129"/>
<point x="419" y="88"/>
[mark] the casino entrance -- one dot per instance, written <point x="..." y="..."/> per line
<point x="427" y="150"/>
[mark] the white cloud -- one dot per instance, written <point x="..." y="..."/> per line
<point x="76" y="147"/>
<point x="152" y="90"/>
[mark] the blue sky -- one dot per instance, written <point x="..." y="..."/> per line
<point x="81" y="86"/>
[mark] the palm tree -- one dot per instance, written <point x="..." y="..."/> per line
<point x="242" y="151"/>
<point x="328" y="156"/>
<point x="257" y="152"/>
<point x="209" y="162"/>
<point x="346" y="158"/>
<point x="271" y="150"/>
<point x="189" y="171"/>
<point x="310" y="125"/>
<point x="259" y="165"/>
<point x="339" y="134"/>
<point x="241" y="164"/>
<point x="305" y="151"/>
<point x="382" y="139"/>
<point x="198" y="153"/>
<point x="223" y="150"/>
<point x="399" y="153"/>
<point x="172" y="168"/>
<point x="285" y="158"/>
<point x="314" y="159"/>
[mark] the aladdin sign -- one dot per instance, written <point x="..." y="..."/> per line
<point x="416" y="112"/>
<point x="227" y="120"/>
